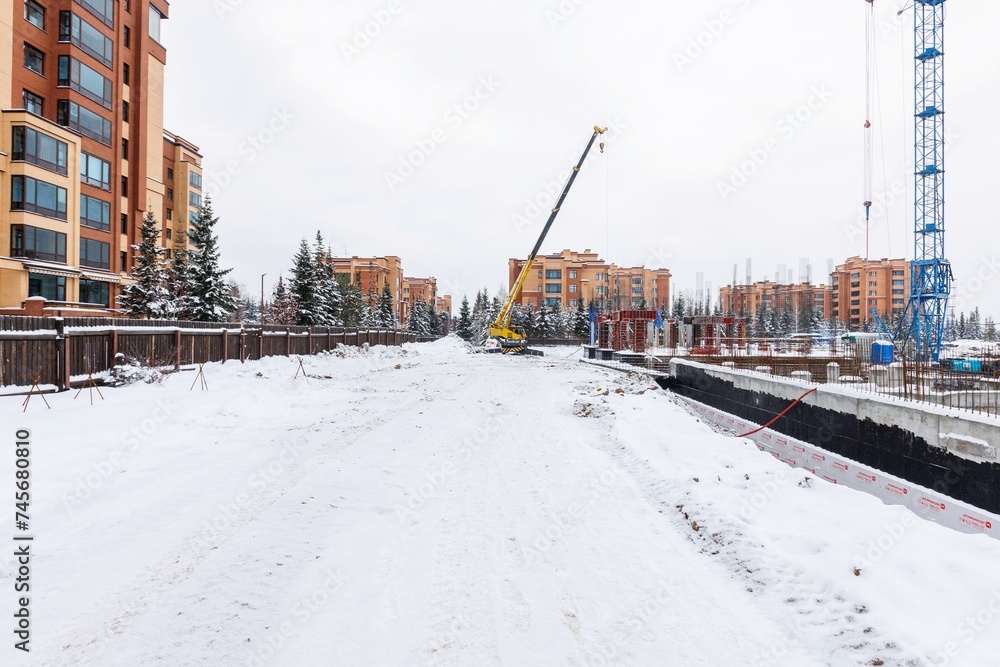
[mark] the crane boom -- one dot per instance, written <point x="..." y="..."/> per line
<point x="514" y="337"/>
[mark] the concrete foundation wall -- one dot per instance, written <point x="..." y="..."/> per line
<point x="937" y="447"/>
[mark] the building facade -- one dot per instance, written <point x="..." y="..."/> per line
<point x="372" y="274"/>
<point x="569" y="277"/>
<point x="862" y="285"/>
<point x="183" y="200"/>
<point x="748" y="299"/>
<point x="418" y="289"/>
<point x="83" y="146"/>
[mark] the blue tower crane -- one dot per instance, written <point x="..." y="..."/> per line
<point x="930" y="271"/>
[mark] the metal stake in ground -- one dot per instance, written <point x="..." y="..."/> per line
<point x="200" y="376"/>
<point x="34" y="388"/>
<point x="91" y="384"/>
<point x="301" y="369"/>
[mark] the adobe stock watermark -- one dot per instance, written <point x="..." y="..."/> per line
<point x="549" y="190"/>
<point x="562" y="12"/>
<point x="785" y="129"/>
<point x="248" y="151"/>
<point x="456" y="115"/>
<point x="901" y="191"/>
<point x="763" y="494"/>
<point x="266" y="648"/>
<point x="225" y="7"/>
<point x="130" y="442"/>
<point x="892" y="535"/>
<point x="968" y="630"/>
<point x="632" y="624"/>
<point x="368" y="32"/>
<point x="712" y="30"/>
<point x="966" y="289"/>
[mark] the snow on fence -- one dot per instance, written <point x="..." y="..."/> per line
<point x="53" y="351"/>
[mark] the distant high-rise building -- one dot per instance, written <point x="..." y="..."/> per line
<point x="862" y="285"/>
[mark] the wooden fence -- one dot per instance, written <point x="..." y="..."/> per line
<point x="57" y="351"/>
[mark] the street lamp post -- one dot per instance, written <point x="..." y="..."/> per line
<point x="262" y="297"/>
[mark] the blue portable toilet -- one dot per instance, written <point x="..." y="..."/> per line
<point x="882" y="353"/>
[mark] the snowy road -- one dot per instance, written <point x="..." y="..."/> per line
<point x="434" y="507"/>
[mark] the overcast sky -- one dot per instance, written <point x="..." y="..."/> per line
<point x="431" y="136"/>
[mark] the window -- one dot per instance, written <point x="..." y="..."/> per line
<point x="553" y="274"/>
<point x="86" y="37"/>
<point x="552" y="303"/>
<point x="95" y="213"/>
<point x="102" y="9"/>
<point x="34" y="59"/>
<point x="855" y="276"/>
<point x="95" y="254"/>
<point x="170" y="215"/>
<point x="124" y="192"/>
<point x="194" y="199"/>
<point x="125" y="73"/>
<point x="52" y="288"/>
<point x="553" y="288"/>
<point x="39" y="149"/>
<point x="897" y="273"/>
<point x="34" y="14"/>
<point x="127" y="37"/>
<point x="95" y="171"/>
<point x="897" y="291"/>
<point x="29" y="194"/>
<point x="168" y="253"/>
<point x="872" y="274"/>
<point x="124" y="223"/>
<point x="128" y="6"/>
<point x="873" y="283"/>
<point x="123" y="261"/>
<point x="572" y="288"/>
<point x="94" y="292"/>
<point x="572" y="303"/>
<point x="36" y="243"/>
<point x="192" y="217"/>
<point x="169" y="234"/>
<point x="124" y="111"/>
<point x="84" y="121"/>
<point x="170" y="194"/>
<point x="32" y="103"/>
<point x="898" y="302"/>
<point x="539" y="277"/>
<point x="856" y="302"/>
<point x="195" y="181"/>
<point x="637" y="281"/>
<point x="85" y="80"/>
<point x="898" y="283"/>
<point x="572" y="274"/>
<point x="124" y="149"/>
<point x="170" y="174"/>
<point x="636" y="290"/>
<point x="155" y="19"/>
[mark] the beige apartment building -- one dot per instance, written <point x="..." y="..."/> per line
<point x="83" y="152"/>
<point x="569" y="277"/>
<point x="372" y="274"/>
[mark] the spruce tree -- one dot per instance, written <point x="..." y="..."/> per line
<point x="179" y="285"/>
<point x="465" y="320"/>
<point x="581" y="322"/>
<point x="990" y="330"/>
<point x="283" y="309"/>
<point x="352" y="310"/>
<point x="210" y="298"/>
<point x="385" y="310"/>
<point x="148" y="296"/>
<point x="302" y="286"/>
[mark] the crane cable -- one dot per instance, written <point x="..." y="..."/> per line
<point x="868" y="137"/>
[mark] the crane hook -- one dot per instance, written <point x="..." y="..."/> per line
<point x="602" y="146"/>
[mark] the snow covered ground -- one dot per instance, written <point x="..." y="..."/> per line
<point x="429" y="506"/>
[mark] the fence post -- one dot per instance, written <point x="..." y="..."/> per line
<point x="329" y="340"/>
<point x="288" y="342"/>
<point x="62" y="356"/>
<point x="225" y="345"/>
<point x="114" y="346"/>
<point x="310" y="340"/>
<point x="243" y="346"/>
<point x="177" y="352"/>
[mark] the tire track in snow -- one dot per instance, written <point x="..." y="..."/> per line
<point x="81" y="642"/>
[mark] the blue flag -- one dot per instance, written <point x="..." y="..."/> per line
<point x="593" y="324"/>
<point x="658" y="323"/>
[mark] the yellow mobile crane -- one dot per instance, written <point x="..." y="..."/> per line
<point x="512" y="338"/>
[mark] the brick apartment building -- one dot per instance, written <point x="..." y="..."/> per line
<point x="83" y="152"/>
<point x="861" y="285"/>
<point x="372" y="274"/>
<point x="748" y="299"/>
<point x="856" y="288"/>
<point x="568" y="277"/>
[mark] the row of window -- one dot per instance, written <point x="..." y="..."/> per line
<point x="53" y="288"/>
<point x="86" y="37"/>
<point x="85" y="80"/>
<point x="46" y="245"/>
<point x="40" y="149"/>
